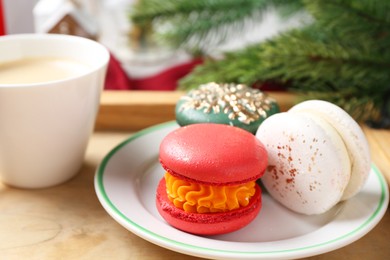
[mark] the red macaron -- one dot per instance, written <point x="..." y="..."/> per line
<point x="210" y="184"/>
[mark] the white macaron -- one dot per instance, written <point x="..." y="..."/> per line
<point x="318" y="156"/>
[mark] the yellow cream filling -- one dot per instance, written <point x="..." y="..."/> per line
<point x="199" y="198"/>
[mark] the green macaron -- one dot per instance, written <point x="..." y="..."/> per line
<point x="230" y="104"/>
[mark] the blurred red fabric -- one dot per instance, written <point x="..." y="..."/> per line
<point x="2" y="19"/>
<point x="117" y="78"/>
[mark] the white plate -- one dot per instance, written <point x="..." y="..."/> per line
<point x="126" y="182"/>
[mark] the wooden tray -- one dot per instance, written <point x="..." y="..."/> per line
<point x="135" y="110"/>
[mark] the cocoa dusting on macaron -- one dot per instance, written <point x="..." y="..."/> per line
<point x="318" y="156"/>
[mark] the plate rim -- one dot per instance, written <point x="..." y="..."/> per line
<point x="185" y="248"/>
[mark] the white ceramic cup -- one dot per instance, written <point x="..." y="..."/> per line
<point x="45" y="127"/>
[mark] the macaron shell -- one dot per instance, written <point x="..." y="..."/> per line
<point x="213" y="154"/>
<point x="352" y="135"/>
<point x="226" y="103"/>
<point x="193" y="116"/>
<point x="206" y="224"/>
<point x="309" y="165"/>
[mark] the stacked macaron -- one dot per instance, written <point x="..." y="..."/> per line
<point x="318" y="156"/>
<point x="230" y="104"/>
<point x="210" y="182"/>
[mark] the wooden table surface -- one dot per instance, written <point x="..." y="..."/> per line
<point x="68" y="222"/>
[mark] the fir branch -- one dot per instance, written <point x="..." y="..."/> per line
<point x="350" y="17"/>
<point x="202" y="24"/>
<point x="327" y="69"/>
<point x="238" y="67"/>
<point x="342" y="57"/>
<point x="355" y="10"/>
<point x="298" y="56"/>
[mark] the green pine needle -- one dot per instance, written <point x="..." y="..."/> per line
<point x="200" y="25"/>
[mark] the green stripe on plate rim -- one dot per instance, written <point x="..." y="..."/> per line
<point x="100" y="174"/>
